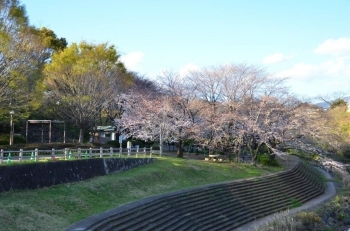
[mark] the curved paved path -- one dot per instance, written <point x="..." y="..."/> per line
<point x="328" y="194"/>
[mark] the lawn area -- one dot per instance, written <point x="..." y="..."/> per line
<point x="57" y="207"/>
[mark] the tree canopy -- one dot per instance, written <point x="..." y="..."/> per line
<point x="83" y="80"/>
<point x="234" y="108"/>
<point x="23" y="52"/>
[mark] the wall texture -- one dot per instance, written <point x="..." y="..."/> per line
<point x="38" y="175"/>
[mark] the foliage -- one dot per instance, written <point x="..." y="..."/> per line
<point x="340" y="119"/>
<point x="338" y="103"/>
<point x="303" y="155"/>
<point x="346" y="153"/>
<point x="46" y="146"/>
<point x="17" y="139"/>
<point x="23" y="50"/>
<point x="82" y="80"/>
<point x="267" y="160"/>
<point x="140" y="143"/>
<point x="4" y="139"/>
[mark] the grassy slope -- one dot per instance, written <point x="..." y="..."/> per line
<point x="57" y="207"/>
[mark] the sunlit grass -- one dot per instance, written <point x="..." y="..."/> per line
<point x="59" y="206"/>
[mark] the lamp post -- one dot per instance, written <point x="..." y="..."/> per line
<point x="11" y="127"/>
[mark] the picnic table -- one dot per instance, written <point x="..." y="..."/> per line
<point x="213" y="157"/>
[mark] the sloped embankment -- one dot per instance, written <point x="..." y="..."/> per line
<point x="223" y="206"/>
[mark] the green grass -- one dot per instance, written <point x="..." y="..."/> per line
<point x="59" y="206"/>
<point x="295" y="203"/>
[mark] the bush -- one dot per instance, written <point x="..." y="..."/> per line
<point x="140" y="143"/>
<point x="346" y="153"/>
<point x="4" y="139"/>
<point x="308" y="219"/>
<point x="116" y="143"/>
<point x="17" y="139"/>
<point x="266" y="160"/>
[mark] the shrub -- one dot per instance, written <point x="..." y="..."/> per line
<point x="140" y="143"/>
<point x="17" y="139"/>
<point x="266" y="160"/>
<point x="116" y="144"/>
<point x="346" y="153"/>
<point x="308" y="219"/>
<point x="4" y="139"/>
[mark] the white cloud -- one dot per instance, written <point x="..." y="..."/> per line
<point x="299" y="70"/>
<point x="132" y="60"/>
<point x="329" y="69"/>
<point x="334" y="46"/>
<point x="183" y="71"/>
<point x="275" y="58"/>
<point x="321" y="78"/>
<point x="334" y="67"/>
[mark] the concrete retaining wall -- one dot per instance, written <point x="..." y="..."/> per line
<point x="38" y="175"/>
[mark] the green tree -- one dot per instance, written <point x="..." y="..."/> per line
<point x="338" y="103"/>
<point x="83" y="80"/>
<point x="23" y="52"/>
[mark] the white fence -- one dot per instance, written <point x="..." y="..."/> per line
<point x="68" y="154"/>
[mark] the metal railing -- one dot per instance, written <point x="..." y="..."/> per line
<point x="70" y="154"/>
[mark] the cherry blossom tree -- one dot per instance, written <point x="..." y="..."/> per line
<point x="231" y="108"/>
<point x="152" y="118"/>
<point x="185" y="105"/>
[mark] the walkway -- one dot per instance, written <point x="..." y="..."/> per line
<point x="329" y="193"/>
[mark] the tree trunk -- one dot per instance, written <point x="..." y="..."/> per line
<point x="180" y="150"/>
<point x="238" y="154"/>
<point x="253" y="155"/>
<point x="254" y="159"/>
<point x="81" y="135"/>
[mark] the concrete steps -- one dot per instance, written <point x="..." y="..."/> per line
<point x="222" y="206"/>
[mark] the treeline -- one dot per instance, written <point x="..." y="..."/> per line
<point x="41" y="77"/>
<point x="234" y="108"/>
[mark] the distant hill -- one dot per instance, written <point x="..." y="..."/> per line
<point x="325" y="105"/>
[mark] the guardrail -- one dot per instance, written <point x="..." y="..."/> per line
<point x="68" y="154"/>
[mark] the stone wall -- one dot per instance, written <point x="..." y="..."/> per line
<point x="38" y="175"/>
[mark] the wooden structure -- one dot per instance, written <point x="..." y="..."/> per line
<point x="44" y="127"/>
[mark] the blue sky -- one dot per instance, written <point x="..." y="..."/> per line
<point x="306" y="41"/>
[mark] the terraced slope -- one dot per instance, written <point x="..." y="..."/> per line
<point x="223" y="206"/>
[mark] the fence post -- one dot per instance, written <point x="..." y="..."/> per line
<point x="101" y="152"/>
<point x="20" y="155"/>
<point x="79" y="153"/>
<point x="1" y="156"/>
<point x="53" y="157"/>
<point x="137" y="150"/>
<point x="111" y="151"/>
<point x="129" y="151"/>
<point x="90" y="153"/>
<point x="120" y="150"/>
<point x="36" y="155"/>
<point x="150" y="152"/>
<point x="144" y="152"/>
<point x="65" y="153"/>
